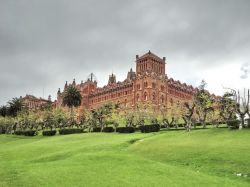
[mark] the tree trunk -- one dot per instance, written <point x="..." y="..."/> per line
<point x="242" y="122"/>
<point x="188" y="125"/>
<point x="204" y="121"/>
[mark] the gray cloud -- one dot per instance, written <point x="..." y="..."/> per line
<point x="245" y="70"/>
<point x="44" y="43"/>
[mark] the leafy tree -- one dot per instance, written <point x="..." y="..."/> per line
<point x="203" y="102"/>
<point x="72" y="98"/>
<point x="91" y="121"/>
<point x="3" y="111"/>
<point x="60" y="118"/>
<point x="130" y="118"/>
<point x="102" y="113"/>
<point x="14" y="106"/>
<point x="227" y="107"/>
<point x="140" y="115"/>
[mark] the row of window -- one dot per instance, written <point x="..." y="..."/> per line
<point x="156" y="66"/>
<point x="112" y="96"/>
<point x="138" y="86"/>
<point x="181" y="95"/>
<point x="145" y="97"/>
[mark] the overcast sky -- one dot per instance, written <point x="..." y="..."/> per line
<point x="43" y="43"/>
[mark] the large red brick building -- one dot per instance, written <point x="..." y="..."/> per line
<point x="148" y="84"/>
<point x="34" y="103"/>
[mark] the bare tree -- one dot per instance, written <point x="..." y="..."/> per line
<point x="242" y="104"/>
<point x="187" y="116"/>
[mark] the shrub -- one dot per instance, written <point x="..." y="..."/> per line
<point x="108" y="129"/>
<point x="125" y="129"/>
<point x="96" y="129"/>
<point x="209" y="123"/>
<point x="233" y="124"/>
<point x="70" y="131"/>
<point x="137" y="128"/>
<point x="181" y="125"/>
<point x="150" y="128"/>
<point x="49" y="133"/>
<point x="163" y="126"/>
<point x="26" y="133"/>
<point x="198" y="124"/>
<point x="2" y="129"/>
<point x="248" y="122"/>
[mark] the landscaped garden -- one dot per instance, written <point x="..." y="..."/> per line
<point x="202" y="157"/>
<point x="195" y="144"/>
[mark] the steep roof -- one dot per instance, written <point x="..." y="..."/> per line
<point x="150" y="54"/>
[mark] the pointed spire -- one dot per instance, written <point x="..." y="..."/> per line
<point x="59" y="91"/>
<point x="49" y="98"/>
<point x="66" y="85"/>
<point x="74" y="82"/>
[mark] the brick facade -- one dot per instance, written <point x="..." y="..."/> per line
<point x="34" y="103"/>
<point x="148" y="84"/>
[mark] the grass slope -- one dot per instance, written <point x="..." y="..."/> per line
<point x="172" y="158"/>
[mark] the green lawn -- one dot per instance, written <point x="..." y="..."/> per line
<point x="210" y="157"/>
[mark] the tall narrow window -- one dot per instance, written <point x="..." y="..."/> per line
<point x="145" y="96"/>
<point x="137" y="97"/>
<point x="153" y="96"/>
<point x="162" y="99"/>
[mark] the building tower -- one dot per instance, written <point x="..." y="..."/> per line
<point x="149" y="62"/>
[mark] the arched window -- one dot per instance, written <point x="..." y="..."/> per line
<point x="171" y="102"/>
<point x="145" y="84"/>
<point x="153" y="96"/>
<point x="145" y="96"/>
<point x="137" y="97"/>
<point x="162" y="99"/>
<point x="162" y="88"/>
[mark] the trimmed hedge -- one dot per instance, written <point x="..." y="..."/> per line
<point x="209" y="123"/>
<point x="70" y="131"/>
<point x="233" y="124"/>
<point x="125" y="129"/>
<point x="248" y="122"/>
<point x="96" y="129"/>
<point x="198" y="124"/>
<point x="108" y="129"/>
<point x="49" y="133"/>
<point x="150" y="128"/>
<point x="26" y="133"/>
<point x="181" y="125"/>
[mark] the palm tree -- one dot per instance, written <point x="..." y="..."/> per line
<point x="72" y="98"/>
<point x="14" y="106"/>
